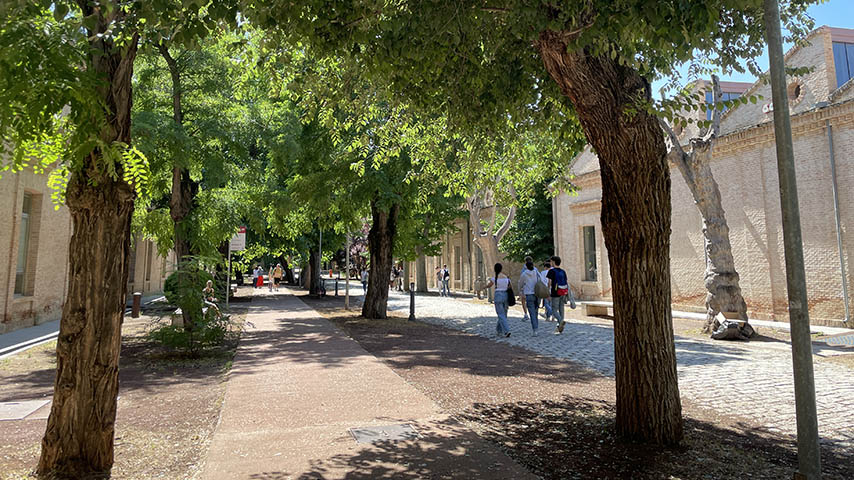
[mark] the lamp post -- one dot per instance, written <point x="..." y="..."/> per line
<point x="809" y="459"/>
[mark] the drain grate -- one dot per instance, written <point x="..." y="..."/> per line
<point x="387" y="433"/>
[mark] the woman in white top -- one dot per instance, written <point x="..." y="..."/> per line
<point x="527" y="281"/>
<point x="501" y="282"/>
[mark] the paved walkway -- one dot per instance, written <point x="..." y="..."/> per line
<point x="752" y="380"/>
<point x="297" y="387"/>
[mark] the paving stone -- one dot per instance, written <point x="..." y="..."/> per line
<point x="764" y="392"/>
<point x="19" y="410"/>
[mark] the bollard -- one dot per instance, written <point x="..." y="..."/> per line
<point x="412" y="302"/>
<point x="336" y="287"/>
<point x="137" y="301"/>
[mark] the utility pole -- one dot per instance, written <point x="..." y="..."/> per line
<point x="809" y="459"/>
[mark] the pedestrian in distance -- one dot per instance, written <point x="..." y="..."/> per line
<point x="269" y="278"/>
<point x="527" y="282"/>
<point x="439" y="281"/>
<point x="255" y="276"/>
<point x="560" y="293"/>
<point x="446" y="278"/>
<point x="278" y="273"/>
<point x="500" y="299"/>
<point x="547" y="302"/>
<point x="364" y="278"/>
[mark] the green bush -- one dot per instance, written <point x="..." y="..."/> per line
<point x="208" y="332"/>
<point x="196" y="279"/>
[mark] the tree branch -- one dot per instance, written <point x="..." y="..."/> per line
<point x="508" y="222"/>
<point x="716" y="113"/>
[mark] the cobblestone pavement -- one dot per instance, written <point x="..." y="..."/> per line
<point x="758" y="383"/>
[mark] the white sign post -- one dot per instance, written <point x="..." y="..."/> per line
<point x="237" y="243"/>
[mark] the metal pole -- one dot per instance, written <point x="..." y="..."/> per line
<point x="411" y="302"/>
<point x="347" y="275"/>
<point x="228" y="280"/>
<point x="809" y="460"/>
<point x="838" y="221"/>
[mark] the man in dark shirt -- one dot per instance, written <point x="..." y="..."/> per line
<point x="559" y="286"/>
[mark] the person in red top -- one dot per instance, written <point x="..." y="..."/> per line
<point x="560" y="292"/>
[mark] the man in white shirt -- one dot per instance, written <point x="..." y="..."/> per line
<point x="546" y="303"/>
<point x="527" y="281"/>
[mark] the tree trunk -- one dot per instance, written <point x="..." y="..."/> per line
<point x="380" y="245"/>
<point x="636" y="225"/>
<point x="184" y="189"/>
<point x="724" y="292"/>
<point x="314" y="272"/>
<point x="305" y="275"/>
<point x="78" y="440"/>
<point x="406" y="275"/>
<point x="421" y="272"/>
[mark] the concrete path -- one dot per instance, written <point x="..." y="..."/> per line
<point x="22" y="339"/>
<point x="297" y="387"/>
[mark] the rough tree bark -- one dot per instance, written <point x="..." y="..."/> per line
<point x="78" y="440"/>
<point x="380" y="245"/>
<point x="314" y="272"/>
<point x="420" y="272"/>
<point x="184" y="189"/>
<point x="485" y="239"/>
<point x="421" y="260"/>
<point x="721" y="278"/>
<point x="636" y="226"/>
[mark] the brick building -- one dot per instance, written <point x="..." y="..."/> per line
<point x="34" y="268"/>
<point x="744" y="165"/>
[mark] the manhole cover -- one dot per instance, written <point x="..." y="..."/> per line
<point x="384" y="434"/>
<point x="19" y="410"/>
<point x="845" y="339"/>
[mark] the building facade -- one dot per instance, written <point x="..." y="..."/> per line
<point x="34" y="268"/>
<point x="744" y="166"/>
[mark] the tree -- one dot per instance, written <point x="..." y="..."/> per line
<point x="485" y="236"/>
<point x="81" y="92"/>
<point x="482" y="64"/>
<point x="531" y="233"/>
<point x="721" y="279"/>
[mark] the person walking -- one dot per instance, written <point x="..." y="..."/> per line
<point x="499" y="298"/>
<point x="446" y="277"/>
<point x="547" y="302"/>
<point x="255" y="276"/>
<point x="560" y="293"/>
<point x="527" y="281"/>
<point x="439" y="281"/>
<point x="277" y="275"/>
<point x="269" y="278"/>
<point x="364" y="278"/>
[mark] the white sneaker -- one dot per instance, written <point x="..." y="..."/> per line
<point x="535" y="334"/>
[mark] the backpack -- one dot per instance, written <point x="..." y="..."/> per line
<point x="447" y="275"/>
<point x="561" y="284"/>
<point x="541" y="290"/>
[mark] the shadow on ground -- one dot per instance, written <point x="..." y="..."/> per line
<point x="455" y="453"/>
<point x="575" y="438"/>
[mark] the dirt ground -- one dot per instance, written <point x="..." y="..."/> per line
<point x="167" y="409"/>
<point x="556" y="417"/>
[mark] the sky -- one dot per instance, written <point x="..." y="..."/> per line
<point x="833" y="13"/>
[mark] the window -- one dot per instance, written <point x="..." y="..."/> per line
<point x="589" y="234"/>
<point x="710" y="100"/>
<point x="843" y="59"/>
<point x="149" y="254"/>
<point x="23" y="246"/>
